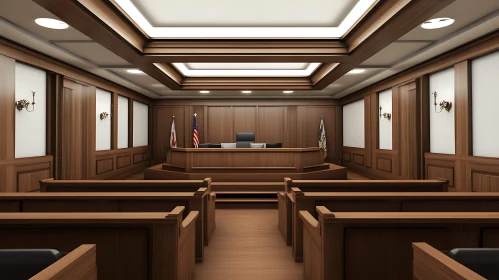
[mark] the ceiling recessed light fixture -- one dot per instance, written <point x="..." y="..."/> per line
<point x="51" y="23"/>
<point x="246" y="91"/>
<point x="287" y="91"/>
<point x="204" y="91"/>
<point x="437" y="23"/>
<point x="134" y="71"/>
<point x="356" y="71"/>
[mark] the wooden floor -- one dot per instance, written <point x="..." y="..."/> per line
<point x="247" y="245"/>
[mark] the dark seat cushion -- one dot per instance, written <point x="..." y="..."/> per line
<point x="484" y="261"/>
<point x="204" y="145"/>
<point x="215" y="145"/>
<point x="22" y="264"/>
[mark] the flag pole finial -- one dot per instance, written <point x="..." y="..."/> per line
<point x="173" y="116"/>
<point x="195" y="115"/>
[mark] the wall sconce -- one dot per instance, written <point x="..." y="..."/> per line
<point x="384" y="115"/>
<point x="23" y="104"/>
<point x="104" y="115"/>
<point x="447" y="105"/>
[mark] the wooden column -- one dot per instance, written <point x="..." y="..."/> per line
<point x="7" y="123"/>
<point x="462" y="99"/>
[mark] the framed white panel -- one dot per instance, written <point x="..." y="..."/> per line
<point x="140" y="124"/>
<point x="122" y="122"/>
<point x="442" y="128"/>
<point x="485" y="82"/>
<point x="102" y="127"/>
<point x="385" y="125"/>
<point x="353" y="124"/>
<point x="30" y="127"/>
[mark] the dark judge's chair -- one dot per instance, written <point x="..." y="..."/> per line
<point x="243" y="139"/>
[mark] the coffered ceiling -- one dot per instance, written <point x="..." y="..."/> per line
<point x="384" y="39"/>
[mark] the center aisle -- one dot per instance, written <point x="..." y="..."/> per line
<point x="247" y="245"/>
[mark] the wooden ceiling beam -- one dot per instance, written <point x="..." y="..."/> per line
<point x="389" y="21"/>
<point x="99" y="21"/>
<point x="246" y="51"/>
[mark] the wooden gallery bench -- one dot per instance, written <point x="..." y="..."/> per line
<point x="285" y="201"/>
<point x="361" y="245"/>
<point x="208" y="216"/>
<point x="133" y="246"/>
<point x="431" y="264"/>
<point x="79" y="264"/>
<point x="112" y="202"/>
<point x="385" y="202"/>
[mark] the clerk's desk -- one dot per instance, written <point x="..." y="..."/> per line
<point x="246" y="164"/>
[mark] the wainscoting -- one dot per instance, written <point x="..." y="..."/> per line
<point x="410" y="157"/>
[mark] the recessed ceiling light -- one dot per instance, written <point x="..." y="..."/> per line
<point x="204" y="91"/>
<point x="356" y="71"/>
<point x="288" y="91"/>
<point x="246" y="91"/>
<point x="51" y="23"/>
<point x="437" y="23"/>
<point x="134" y="71"/>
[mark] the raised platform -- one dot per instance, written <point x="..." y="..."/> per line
<point x="326" y="171"/>
<point x="256" y="187"/>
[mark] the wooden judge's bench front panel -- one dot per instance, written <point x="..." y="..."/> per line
<point x="245" y="165"/>
<point x="285" y="159"/>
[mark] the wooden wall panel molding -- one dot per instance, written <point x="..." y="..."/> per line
<point x="23" y="174"/>
<point x="482" y="174"/>
<point x="384" y="160"/>
<point x="358" y="159"/>
<point x="440" y="168"/>
<point x="346" y="156"/>
<point x="123" y="161"/>
<point x="104" y="165"/>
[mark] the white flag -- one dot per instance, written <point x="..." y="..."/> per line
<point x="173" y="136"/>
<point x="322" y="138"/>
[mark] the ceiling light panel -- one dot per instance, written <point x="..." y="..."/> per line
<point x="437" y="23"/>
<point x="333" y="32"/>
<point x="243" y="72"/>
<point x="51" y="23"/>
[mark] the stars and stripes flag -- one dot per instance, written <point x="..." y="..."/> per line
<point x="322" y="138"/>
<point x="173" y="135"/>
<point x="195" y="135"/>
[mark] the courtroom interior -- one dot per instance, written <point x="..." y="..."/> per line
<point x="241" y="140"/>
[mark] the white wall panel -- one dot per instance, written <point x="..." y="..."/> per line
<point x="140" y="124"/>
<point x="102" y="127"/>
<point x="31" y="132"/>
<point x="485" y="95"/>
<point x="385" y="125"/>
<point x="442" y="128"/>
<point x="353" y="124"/>
<point x="122" y="122"/>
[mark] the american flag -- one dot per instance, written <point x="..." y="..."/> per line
<point x="195" y="135"/>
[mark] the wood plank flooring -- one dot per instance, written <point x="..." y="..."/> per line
<point x="247" y="245"/>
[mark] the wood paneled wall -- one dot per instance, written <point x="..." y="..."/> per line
<point x="410" y="157"/>
<point x="70" y="126"/>
<point x="295" y="123"/>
